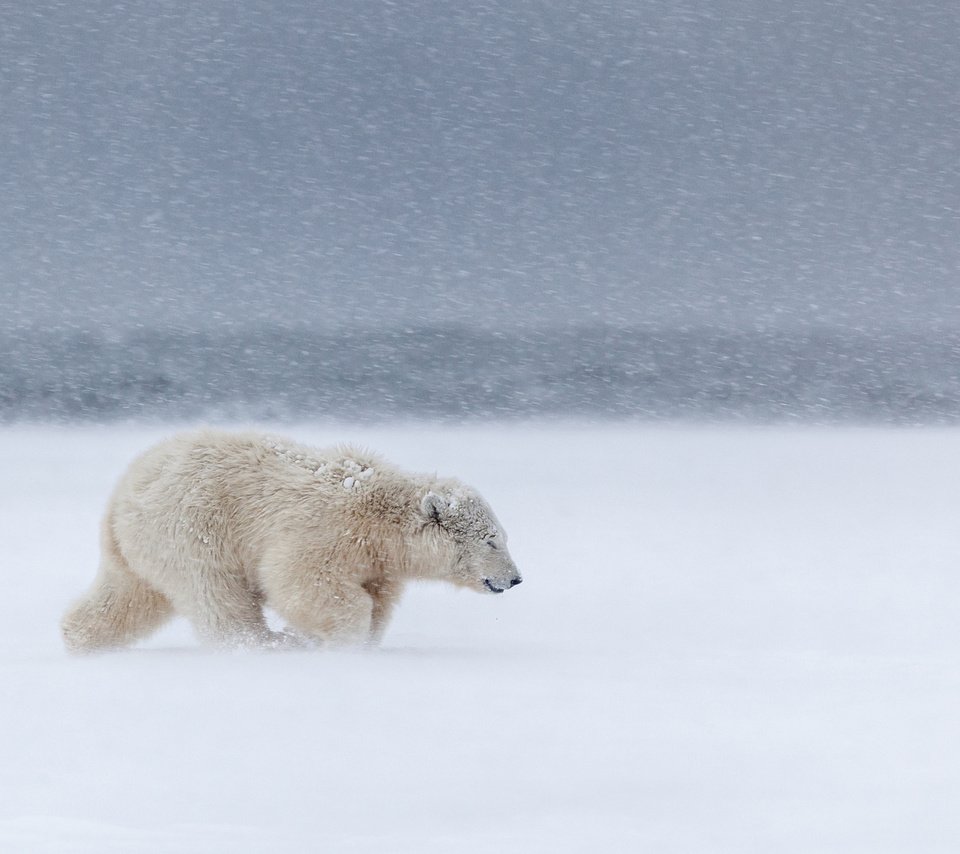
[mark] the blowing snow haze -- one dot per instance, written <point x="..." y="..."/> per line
<point x="499" y="166"/>
<point x="494" y="162"/>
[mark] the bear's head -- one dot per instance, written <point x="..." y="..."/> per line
<point x="470" y="536"/>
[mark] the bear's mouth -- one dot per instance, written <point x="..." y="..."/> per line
<point x="492" y="587"/>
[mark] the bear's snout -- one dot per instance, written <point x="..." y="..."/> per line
<point x="495" y="588"/>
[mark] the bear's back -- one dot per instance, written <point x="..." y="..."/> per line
<point x="338" y="468"/>
<point x="258" y="480"/>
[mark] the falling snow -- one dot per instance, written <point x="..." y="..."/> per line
<point x="778" y="178"/>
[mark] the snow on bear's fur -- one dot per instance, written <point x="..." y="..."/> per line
<point x="215" y="526"/>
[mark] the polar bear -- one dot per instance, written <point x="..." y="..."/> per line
<point x="215" y="526"/>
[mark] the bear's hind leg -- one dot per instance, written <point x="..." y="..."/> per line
<point x="226" y="613"/>
<point x="119" y="609"/>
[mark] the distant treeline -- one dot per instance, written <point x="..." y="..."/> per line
<point x="452" y="373"/>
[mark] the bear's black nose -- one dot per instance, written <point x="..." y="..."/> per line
<point x="515" y="581"/>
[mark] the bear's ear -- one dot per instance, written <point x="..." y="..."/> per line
<point x="434" y="506"/>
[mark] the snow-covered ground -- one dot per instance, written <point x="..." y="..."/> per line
<point x="728" y="640"/>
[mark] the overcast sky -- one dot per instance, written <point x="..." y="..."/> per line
<point x="746" y="162"/>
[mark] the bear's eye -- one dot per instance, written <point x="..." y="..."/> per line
<point x="492" y="544"/>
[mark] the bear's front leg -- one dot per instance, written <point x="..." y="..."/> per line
<point x="384" y="594"/>
<point x="323" y="608"/>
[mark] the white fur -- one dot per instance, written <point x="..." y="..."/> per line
<point x="215" y="526"/>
